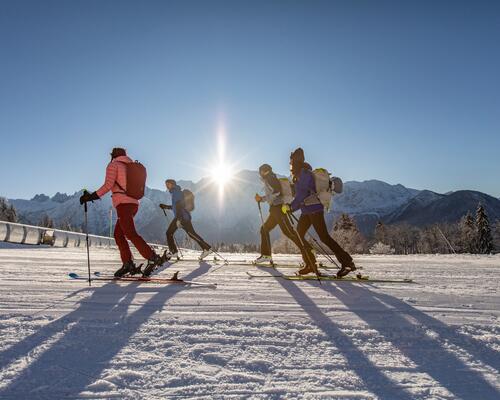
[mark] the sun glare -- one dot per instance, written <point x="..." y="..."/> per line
<point x="222" y="174"/>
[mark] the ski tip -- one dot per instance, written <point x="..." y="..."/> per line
<point x="73" y="275"/>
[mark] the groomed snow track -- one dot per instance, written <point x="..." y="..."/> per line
<point x="248" y="339"/>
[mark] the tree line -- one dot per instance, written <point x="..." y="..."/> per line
<point x="472" y="234"/>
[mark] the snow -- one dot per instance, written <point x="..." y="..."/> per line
<point x="269" y="338"/>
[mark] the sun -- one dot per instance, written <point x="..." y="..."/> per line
<point x="222" y="174"/>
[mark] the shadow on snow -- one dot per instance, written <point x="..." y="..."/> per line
<point x="391" y="317"/>
<point x="84" y="347"/>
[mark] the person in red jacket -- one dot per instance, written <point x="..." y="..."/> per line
<point x="126" y="209"/>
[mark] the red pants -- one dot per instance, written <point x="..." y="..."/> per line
<point x="125" y="229"/>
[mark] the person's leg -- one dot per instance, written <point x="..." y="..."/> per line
<point x="121" y="242"/>
<point x="265" y="239"/>
<point x="303" y="226"/>
<point x="170" y="236"/>
<point x="188" y="227"/>
<point x="126" y="213"/>
<point x="302" y="244"/>
<point x="318" y="221"/>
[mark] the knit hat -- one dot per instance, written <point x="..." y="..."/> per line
<point x="117" y="152"/>
<point x="264" y="169"/>
<point x="297" y="155"/>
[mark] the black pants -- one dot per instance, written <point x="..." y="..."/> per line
<point x="276" y="217"/>
<point x="317" y="220"/>
<point x="188" y="227"/>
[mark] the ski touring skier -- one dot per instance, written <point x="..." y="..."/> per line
<point x="182" y="219"/>
<point x="312" y="210"/>
<point x="126" y="185"/>
<point x="275" y="198"/>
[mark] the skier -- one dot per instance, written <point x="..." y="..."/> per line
<point x="313" y="211"/>
<point x="274" y="198"/>
<point x="182" y="219"/>
<point x="126" y="208"/>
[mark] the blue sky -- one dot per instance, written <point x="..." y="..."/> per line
<point x="406" y="92"/>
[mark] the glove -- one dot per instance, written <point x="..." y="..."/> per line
<point x="258" y="198"/>
<point x="165" y="206"/>
<point x="285" y="208"/>
<point x="86" y="197"/>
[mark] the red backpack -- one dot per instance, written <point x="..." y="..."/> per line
<point x="136" y="180"/>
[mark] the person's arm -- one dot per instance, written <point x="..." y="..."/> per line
<point x="109" y="182"/>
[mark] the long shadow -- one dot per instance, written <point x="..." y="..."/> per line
<point x="425" y="351"/>
<point x="357" y="361"/>
<point x="486" y="354"/>
<point x="87" y="343"/>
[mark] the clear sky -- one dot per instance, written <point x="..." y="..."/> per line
<point x="405" y="92"/>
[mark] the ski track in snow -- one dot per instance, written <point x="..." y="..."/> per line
<point x="248" y="339"/>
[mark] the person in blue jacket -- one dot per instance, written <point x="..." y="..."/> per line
<point x="312" y="211"/>
<point x="182" y="219"/>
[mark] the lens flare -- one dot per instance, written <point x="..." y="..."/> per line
<point x="222" y="174"/>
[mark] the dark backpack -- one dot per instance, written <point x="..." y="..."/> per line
<point x="136" y="180"/>
<point x="188" y="200"/>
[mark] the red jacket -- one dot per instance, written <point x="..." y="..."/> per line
<point x="116" y="181"/>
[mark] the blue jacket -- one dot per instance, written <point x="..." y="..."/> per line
<point x="178" y="204"/>
<point x="304" y="187"/>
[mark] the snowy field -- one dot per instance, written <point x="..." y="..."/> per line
<point x="248" y="339"/>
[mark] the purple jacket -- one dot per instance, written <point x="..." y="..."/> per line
<point x="304" y="187"/>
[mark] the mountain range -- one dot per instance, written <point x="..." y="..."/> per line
<point x="232" y="216"/>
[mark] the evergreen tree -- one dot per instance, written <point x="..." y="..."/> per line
<point x="483" y="230"/>
<point x="346" y="223"/>
<point x="468" y="236"/>
<point x="12" y="214"/>
<point x="7" y="211"/>
<point x="346" y="233"/>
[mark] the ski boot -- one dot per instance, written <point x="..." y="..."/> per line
<point x="205" y="253"/>
<point x="126" y="268"/>
<point x="134" y="270"/>
<point x="345" y="269"/>
<point x="266" y="261"/>
<point x="308" y="269"/>
<point x="152" y="264"/>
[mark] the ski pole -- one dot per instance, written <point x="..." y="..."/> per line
<point x="318" y="245"/>
<point x="260" y="213"/>
<point x="87" y="239"/>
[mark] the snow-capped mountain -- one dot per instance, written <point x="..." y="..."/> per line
<point x="233" y="216"/>
<point x="429" y="207"/>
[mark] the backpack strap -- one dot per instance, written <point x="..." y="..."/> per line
<point x="116" y="182"/>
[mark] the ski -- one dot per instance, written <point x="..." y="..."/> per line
<point x="290" y="265"/>
<point x="283" y="265"/>
<point x="173" y="280"/>
<point x="358" y="278"/>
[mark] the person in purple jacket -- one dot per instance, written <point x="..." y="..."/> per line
<point x="312" y="211"/>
